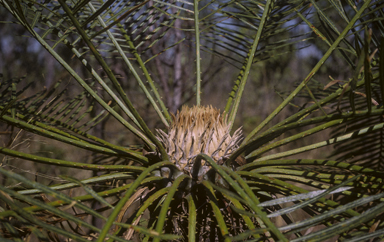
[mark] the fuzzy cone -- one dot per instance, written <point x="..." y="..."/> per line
<point x="198" y="130"/>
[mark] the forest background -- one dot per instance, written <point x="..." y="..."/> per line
<point x="270" y="80"/>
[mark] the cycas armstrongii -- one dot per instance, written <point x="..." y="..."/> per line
<point x="191" y="183"/>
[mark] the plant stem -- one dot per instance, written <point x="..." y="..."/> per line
<point x="248" y="63"/>
<point x="197" y="37"/>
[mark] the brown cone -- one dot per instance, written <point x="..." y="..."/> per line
<point x="198" y="130"/>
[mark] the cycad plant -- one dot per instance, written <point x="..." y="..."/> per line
<point x="192" y="176"/>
